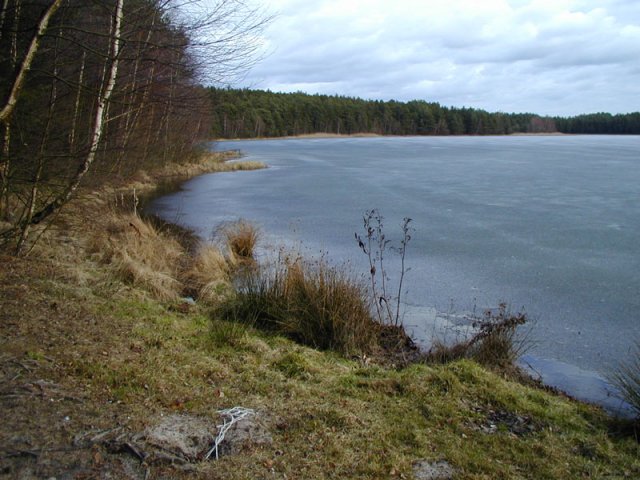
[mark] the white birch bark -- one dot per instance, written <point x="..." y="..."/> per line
<point x="3" y="15"/>
<point x="99" y="121"/>
<point x="18" y="83"/>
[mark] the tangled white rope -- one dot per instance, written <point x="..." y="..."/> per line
<point x="230" y="416"/>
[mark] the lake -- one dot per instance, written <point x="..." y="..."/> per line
<point x="550" y="224"/>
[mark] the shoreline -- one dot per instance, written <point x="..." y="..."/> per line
<point x="554" y="374"/>
<point x="96" y="360"/>
<point x="322" y="136"/>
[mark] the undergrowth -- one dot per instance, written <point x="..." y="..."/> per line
<point x="240" y="238"/>
<point x="495" y="342"/>
<point x="139" y="254"/>
<point x="626" y="377"/>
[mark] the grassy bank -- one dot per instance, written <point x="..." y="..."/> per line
<point x="98" y="343"/>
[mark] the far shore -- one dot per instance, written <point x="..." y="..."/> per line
<point x="324" y="135"/>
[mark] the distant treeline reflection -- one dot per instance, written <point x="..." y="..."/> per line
<point x="256" y="113"/>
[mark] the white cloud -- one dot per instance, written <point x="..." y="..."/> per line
<point x="548" y="56"/>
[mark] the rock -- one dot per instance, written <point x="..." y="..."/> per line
<point x="424" y="470"/>
<point x="246" y="432"/>
<point x="181" y="439"/>
<point x="183" y="436"/>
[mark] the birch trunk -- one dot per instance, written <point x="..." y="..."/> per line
<point x="14" y="38"/>
<point x="3" y="15"/>
<point x="99" y="121"/>
<point x="76" y="108"/>
<point x="18" y="83"/>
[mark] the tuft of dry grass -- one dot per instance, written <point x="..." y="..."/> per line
<point x="209" y="162"/>
<point x="311" y="302"/>
<point x="208" y="278"/>
<point x="626" y="377"/>
<point x="140" y="255"/>
<point x="241" y="238"/>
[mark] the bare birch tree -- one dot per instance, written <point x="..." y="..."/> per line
<point x="111" y="72"/>
<point x="16" y="88"/>
<point x="125" y="80"/>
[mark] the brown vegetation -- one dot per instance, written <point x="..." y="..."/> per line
<point x="311" y="302"/>
<point x="116" y="93"/>
<point x="208" y="277"/>
<point x="494" y="343"/>
<point x="140" y="255"/>
<point x="240" y="238"/>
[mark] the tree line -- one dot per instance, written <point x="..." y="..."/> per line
<point x="93" y="89"/>
<point x="245" y="113"/>
<point x="601" y="123"/>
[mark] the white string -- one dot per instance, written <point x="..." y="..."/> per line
<point x="234" y="415"/>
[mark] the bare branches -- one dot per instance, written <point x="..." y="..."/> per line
<point x="128" y="77"/>
<point x="225" y="39"/>
<point x="98" y="126"/>
<point x="25" y="65"/>
<point x="374" y="245"/>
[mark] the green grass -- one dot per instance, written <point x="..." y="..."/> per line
<point x="337" y="418"/>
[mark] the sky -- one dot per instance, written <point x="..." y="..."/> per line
<point x="551" y="57"/>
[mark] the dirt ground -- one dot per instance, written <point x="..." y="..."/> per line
<point x="52" y="426"/>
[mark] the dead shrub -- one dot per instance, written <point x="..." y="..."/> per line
<point x="495" y="343"/>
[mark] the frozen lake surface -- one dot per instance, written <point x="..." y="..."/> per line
<point x="548" y="224"/>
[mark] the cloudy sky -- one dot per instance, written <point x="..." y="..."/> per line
<point x="554" y="57"/>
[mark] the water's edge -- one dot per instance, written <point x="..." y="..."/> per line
<point x="582" y="384"/>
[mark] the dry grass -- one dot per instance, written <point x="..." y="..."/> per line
<point x="208" y="278"/>
<point x="311" y="302"/>
<point x="140" y="255"/>
<point x="241" y="238"/>
<point x="627" y="379"/>
<point x="209" y="162"/>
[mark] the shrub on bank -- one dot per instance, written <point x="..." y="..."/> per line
<point x="311" y="302"/>
<point x="495" y="343"/>
<point x="627" y="379"/>
<point x="240" y="238"/>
